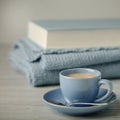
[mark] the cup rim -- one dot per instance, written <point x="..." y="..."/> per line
<point x="88" y="69"/>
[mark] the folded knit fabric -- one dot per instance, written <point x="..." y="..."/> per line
<point x="42" y="66"/>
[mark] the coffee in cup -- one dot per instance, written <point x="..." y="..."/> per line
<point x="80" y="75"/>
<point x="82" y="85"/>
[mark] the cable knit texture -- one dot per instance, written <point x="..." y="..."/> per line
<point x="42" y="66"/>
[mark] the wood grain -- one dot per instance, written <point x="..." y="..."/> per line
<point x="20" y="101"/>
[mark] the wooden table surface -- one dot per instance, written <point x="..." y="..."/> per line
<point x="20" y="101"/>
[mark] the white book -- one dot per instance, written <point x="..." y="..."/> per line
<point x="75" y="33"/>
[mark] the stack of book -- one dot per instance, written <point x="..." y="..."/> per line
<point x="75" y="33"/>
<point x="64" y="44"/>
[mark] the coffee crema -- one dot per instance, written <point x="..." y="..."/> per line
<point x="81" y="75"/>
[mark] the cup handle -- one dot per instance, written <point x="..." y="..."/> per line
<point x="109" y="91"/>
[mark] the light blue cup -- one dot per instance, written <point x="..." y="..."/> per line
<point x="83" y="89"/>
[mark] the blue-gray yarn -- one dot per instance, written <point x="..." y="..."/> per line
<point x="42" y="66"/>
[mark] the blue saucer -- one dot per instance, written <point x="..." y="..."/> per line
<point x="56" y="96"/>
